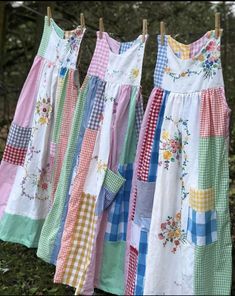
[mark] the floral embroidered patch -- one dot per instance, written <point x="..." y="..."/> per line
<point x="172" y="149"/>
<point x="43" y="110"/>
<point x="171" y="232"/>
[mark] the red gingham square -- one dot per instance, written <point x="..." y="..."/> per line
<point x="149" y="136"/>
<point x="14" y="155"/>
<point x="214" y="113"/>
<point x="130" y="287"/>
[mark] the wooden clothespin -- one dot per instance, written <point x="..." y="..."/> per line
<point x="82" y="21"/>
<point x="162" y="32"/>
<point x="49" y="15"/>
<point x="217" y="24"/>
<point x="145" y="29"/>
<point x="101" y="27"/>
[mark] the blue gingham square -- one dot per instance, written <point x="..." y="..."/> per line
<point x="19" y="136"/>
<point x="202" y="227"/>
<point x="97" y="110"/>
<point x="161" y="62"/>
<point x="118" y="215"/>
<point x="143" y="246"/>
<point x="125" y="46"/>
<point x="139" y="114"/>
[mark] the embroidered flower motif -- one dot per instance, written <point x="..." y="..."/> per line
<point x="135" y="72"/>
<point x="171" y="232"/>
<point x="172" y="148"/>
<point x="101" y="166"/>
<point x="39" y="179"/>
<point x="208" y="62"/>
<point x="43" y="109"/>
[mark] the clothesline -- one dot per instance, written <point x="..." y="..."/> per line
<point x="195" y="33"/>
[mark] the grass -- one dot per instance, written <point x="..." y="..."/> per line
<point x="23" y="273"/>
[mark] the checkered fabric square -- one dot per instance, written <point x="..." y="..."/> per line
<point x="149" y="136"/>
<point x="180" y="49"/>
<point x="98" y="106"/>
<point x="202" y="227"/>
<point x="14" y="155"/>
<point x="130" y="286"/>
<point x="125" y="46"/>
<point x="141" y="263"/>
<point x="214" y="113"/>
<point x="113" y="181"/>
<point x="80" y="252"/>
<point x="196" y="46"/>
<point x="161" y="62"/>
<point x="100" y="57"/>
<point x="118" y="215"/>
<point x="153" y="165"/>
<point x="202" y="200"/>
<point x="19" y="136"/>
<point x="139" y="114"/>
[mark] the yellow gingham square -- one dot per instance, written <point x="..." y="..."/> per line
<point x="182" y="49"/>
<point x="202" y="200"/>
<point x="83" y="238"/>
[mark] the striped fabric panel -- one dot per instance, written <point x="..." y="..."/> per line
<point x="49" y="233"/>
<point x="69" y="107"/>
<point x="63" y="268"/>
<point x="149" y="136"/>
<point x="80" y="253"/>
<point x="213" y="263"/>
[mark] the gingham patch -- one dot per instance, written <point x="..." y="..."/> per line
<point x="98" y="106"/>
<point x="130" y="286"/>
<point x="202" y="200"/>
<point x="214" y="113"/>
<point x="113" y="181"/>
<point x="141" y="262"/>
<point x="196" y="46"/>
<point x="149" y="136"/>
<point x="100" y="57"/>
<point x="19" y="136"/>
<point x="80" y="252"/>
<point x="202" y="227"/>
<point x="14" y="155"/>
<point x="118" y="215"/>
<point x="125" y="46"/>
<point x="181" y="50"/>
<point x="161" y="62"/>
<point x="139" y="114"/>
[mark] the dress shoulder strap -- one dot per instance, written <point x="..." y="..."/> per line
<point x="161" y="61"/>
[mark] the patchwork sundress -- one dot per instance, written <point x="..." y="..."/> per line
<point x="118" y="90"/>
<point x="27" y="153"/>
<point x="51" y="234"/>
<point x="189" y="241"/>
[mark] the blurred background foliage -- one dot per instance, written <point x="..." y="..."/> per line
<point x="21" y="26"/>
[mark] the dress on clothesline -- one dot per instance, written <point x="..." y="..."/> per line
<point x="27" y="154"/>
<point x="186" y="247"/>
<point x="118" y="89"/>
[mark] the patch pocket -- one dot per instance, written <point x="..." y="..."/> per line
<point x="144" y="203"/>
<point x="111" y="186"/>
<point x="17" y="144"/>
<point x="202" y="224"/>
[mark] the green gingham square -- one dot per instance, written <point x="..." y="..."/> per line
<point x="113" y="181"/>
<point x="213" y="263"/>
